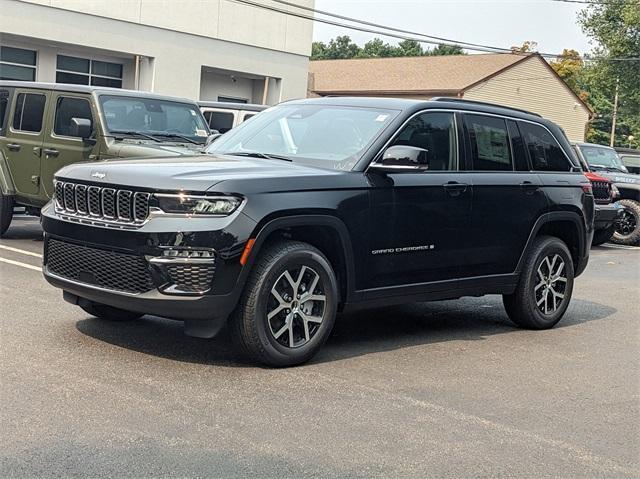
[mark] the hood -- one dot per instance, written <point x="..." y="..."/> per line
<point x="196" y="173"/>
<point x="620" y="178"/>
<point x="155" y="150"/>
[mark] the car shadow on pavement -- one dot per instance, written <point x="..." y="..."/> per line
<point x="355" y="334"/>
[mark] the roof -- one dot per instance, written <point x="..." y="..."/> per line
<point x="89" y="89"/>
<point x="428" y="74"/>
<point x="232" y="105"/>
<point x="412" y="105"/>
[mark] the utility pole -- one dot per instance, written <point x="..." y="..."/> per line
<point x="615" y="113"/>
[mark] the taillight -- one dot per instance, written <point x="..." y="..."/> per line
<point x="587" y="188"/>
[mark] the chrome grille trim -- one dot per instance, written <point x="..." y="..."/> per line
<point x="108" y="206"/>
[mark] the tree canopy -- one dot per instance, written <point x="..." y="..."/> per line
<point x="343" y="47"/>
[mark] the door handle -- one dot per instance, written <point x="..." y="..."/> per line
<point x="529" y="187"/>
<point x="51" y="152"/>
<point x="14" y="147"/>
<point x="453" y="188"/>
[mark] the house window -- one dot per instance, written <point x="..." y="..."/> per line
<point x="83" y="71"/>
<point x="17" y="64"/>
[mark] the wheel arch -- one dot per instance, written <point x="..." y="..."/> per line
<point x="327" y="233"/>
<point x="628" y="192"/>
<point x="569" y="226"/>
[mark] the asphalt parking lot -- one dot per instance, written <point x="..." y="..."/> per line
<point x="432" y="389"/>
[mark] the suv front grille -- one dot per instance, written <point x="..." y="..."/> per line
<point x="106" y="269"/>
<point x="101" y="204"/>
<point x="601" y="191"/>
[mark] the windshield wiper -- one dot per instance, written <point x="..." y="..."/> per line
<point x="135" y="133"/>
<point x="257" y="154"/>
<point x="175" y="135"/>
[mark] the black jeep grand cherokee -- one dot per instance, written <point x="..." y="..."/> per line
<point x="318" y="206"/>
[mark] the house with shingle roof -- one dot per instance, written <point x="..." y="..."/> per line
<point x="523" y="81"/>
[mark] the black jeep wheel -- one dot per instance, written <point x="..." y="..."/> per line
<point x="109" y="313"/>
<point x="602" y="236"/>
<point x="288" y="306"/>
<point x="627" y="226"/>
<point x="6" y="212"/>
<point x="546" y="283"/>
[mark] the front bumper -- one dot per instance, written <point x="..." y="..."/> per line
<point x="606" y="215"/>
<point x="114" y="256"/>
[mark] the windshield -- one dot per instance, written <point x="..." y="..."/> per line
<point x="601" y="157"/>
<point x="328" y="136"/>
<point x="163" y="120"/>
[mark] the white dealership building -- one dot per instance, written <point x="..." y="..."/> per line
<point x="201" y="49"/>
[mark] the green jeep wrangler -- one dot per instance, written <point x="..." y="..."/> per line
<point x="45" y="126"/>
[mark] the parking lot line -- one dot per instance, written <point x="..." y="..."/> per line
<point x="22" y="251"/>
<point x="18" y="263"/>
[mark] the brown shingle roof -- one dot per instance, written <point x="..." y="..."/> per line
<point x="441" y="74"/>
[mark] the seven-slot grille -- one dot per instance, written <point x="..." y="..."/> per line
<point x="106" y="269"/>
<point x="107" y="204"/>
<point x="601" y="191"/>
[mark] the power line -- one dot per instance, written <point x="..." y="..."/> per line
<point x="448" y="42"/>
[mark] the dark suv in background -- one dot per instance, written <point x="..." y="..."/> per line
<point x="323" y="205"/>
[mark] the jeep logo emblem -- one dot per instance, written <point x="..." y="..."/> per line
<point x="98" y="175"/>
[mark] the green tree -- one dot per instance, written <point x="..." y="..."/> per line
<point x="342" y="47"/>
<point x="409" y="48"/>
<point x="442" y="49"/>
<point x="615" y="28"/>
<point x="376" y="48"/>
<point x="569" y="66"/>
<point x="318" y="51"/>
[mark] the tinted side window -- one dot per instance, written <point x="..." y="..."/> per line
<point x="28" y="113"/>
<point x="544" y="151"/>
<point x="68" y="108"/>
<point x="489" y="141"/>
<point x="247" y="116"/>
<point x="517" y="147"/>
<point x="220" y="121"/>
<point x="436" y="133"/>
<point x="4" y="104"/>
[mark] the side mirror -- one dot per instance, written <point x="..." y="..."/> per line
<point x="212" y="137"/>
<point x="80" y="128"/>
<point x="399" y="157"/>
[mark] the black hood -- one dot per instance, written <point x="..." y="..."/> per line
<point x="191" y="173"/>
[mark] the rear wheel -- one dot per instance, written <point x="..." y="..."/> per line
<point x="603" y="235"/>
<point x="288" y="307"/>
<point x="544" y="290"/>
<point x="627" y="226"/>
<point x="102" y="311"/>
<point x="6" y="212"/>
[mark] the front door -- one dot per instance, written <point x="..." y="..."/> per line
<point x="23" y="147"/>
<point x="61" y="147"/>
<point x="420" y="219"/>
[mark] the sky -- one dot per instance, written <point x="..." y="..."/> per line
<point x="502" y="23"/>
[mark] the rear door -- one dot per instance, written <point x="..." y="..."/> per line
<point x="507" y="196"/>
<point x="25" y="137"/>
<point x="61" y="147"/>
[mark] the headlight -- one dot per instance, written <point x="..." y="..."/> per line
<point x="198" y="205"/>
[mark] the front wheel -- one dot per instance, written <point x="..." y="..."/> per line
<point x="546" y="283"/>
<point x="288" y="307"/>
<point x="627" y="226"/>
<point x="6" y="212"/>
<point x="109" y="313"/>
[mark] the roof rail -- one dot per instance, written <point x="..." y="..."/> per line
<point x="483" y="103"/>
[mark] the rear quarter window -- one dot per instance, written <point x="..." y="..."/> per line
<point x="544" y="151"/>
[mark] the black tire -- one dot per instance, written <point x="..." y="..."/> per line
<point x="6" y="213"/>
<point x="109" y="313"/>
<point x="602" y="236"/>
<point x="627" y="228"/>
<point x="523" y="306"/>
<point x="257" y="335"/>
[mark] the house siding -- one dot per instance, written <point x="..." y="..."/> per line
<point x="531" y="86"/>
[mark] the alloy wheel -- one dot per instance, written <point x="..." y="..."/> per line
<point x="552" y="283"/>
<point x="626" y="223"/>
<point x="296" y="307"/>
